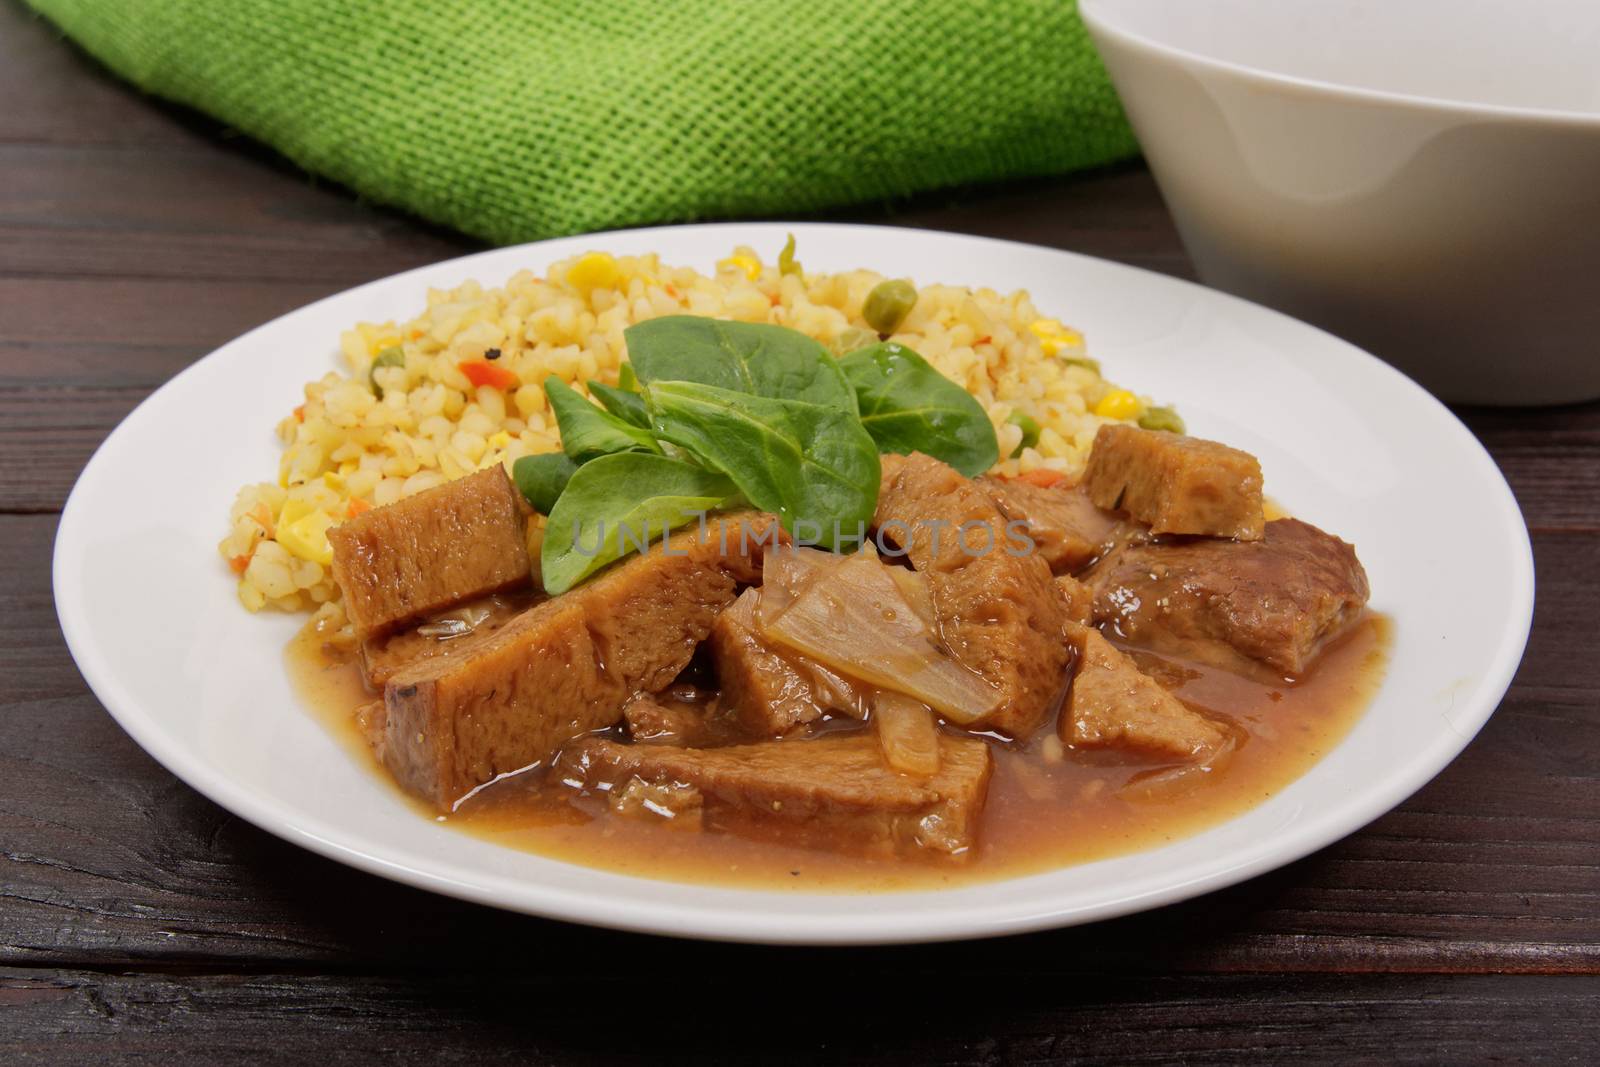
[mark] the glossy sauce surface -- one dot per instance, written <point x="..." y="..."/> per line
<point x="1046" y="808"/>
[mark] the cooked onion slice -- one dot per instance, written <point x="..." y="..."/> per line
<point x="787" y="569"/>
<point x="457" y="623"/>
<point x="854" y="620"/>
<point x="914" y="587"/>
<point x="907" y="734"/>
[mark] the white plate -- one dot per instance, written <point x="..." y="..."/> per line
<point x="1347" y="443"/>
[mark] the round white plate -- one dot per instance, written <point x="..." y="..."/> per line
<point x="150" y="614"/>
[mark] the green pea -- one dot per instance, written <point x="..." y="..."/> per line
<point x="1030" y="431"/>
<point x="1161" y="419"/>
<point x="389" y="357"/>
<point x="888" y="305"/>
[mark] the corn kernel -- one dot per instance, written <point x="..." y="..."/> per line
<point x="595" y="270"/>
<point x="307" y="537"/>
<point x="749" y="264"/>
<point x="499" y="440"/>
<point x="294" y="509"/>
<point x="1117" y="404"/>
<point x="1053" y="336"/>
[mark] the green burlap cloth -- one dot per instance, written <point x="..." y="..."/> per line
<point x="516" y="119"/>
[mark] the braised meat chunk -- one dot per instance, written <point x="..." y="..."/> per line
<point x="659" y="720"/>
<point x="1176" y="484"/>
<point x="1068" y="530"/>
<point x="763" y="690"/>
<point x="1113" y="705"/>
<point x="999" y="612"/>
<point x="1079" y="599"/>
<point x="438" y="636"/>
<point x="1276" y="601"/>
<point x="834" y="792"/>
<point x="565" y="667"/>
<point x="428" y="552"/>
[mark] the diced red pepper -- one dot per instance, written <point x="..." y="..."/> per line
<point x="1043" y="477"/>
<point x="482" y="372"/>
<point x="356" y="507"/>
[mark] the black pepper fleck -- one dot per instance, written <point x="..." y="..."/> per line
<point x="492" y="353"/>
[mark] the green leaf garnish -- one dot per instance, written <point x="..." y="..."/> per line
<point x="625" y="405"/>
<point x="813" y="466"/>
<point x="615" y="503"/>
<point x="542" y="478"/>
<point x="744" y="357"/>
<point x="587" y="431"/>
<point x="908" y="406"/>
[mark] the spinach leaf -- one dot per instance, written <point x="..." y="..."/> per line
<point x="908" y="406"/>
<point x="626" y="379"/>
<point x="744" y="357"/>
<point x="625" y="405"/>
<point x="812" y="465"/>
<point x="542" y="478"/>
<point x="587" y="431"/>
<point x="615" y="503"/>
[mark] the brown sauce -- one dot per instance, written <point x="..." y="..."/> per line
<point x="1042" y="813"/>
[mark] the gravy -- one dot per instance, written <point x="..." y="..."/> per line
<point x="1046" y="809"/>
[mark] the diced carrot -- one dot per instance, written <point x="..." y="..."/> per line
<point x="482" y="372"/>
<point x="356" y="507"/>
<point x="671" y="290"/>
<point x="416" y="335"/>
<point x="238" y="564"/>
<point x="300" y="413"/>
<point x="1043" y="477"/>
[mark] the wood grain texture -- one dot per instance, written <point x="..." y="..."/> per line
<point x="519" y="1016"/>
<point x="139" y="921"/>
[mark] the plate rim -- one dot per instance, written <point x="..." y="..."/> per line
<point x="708" y="922"/>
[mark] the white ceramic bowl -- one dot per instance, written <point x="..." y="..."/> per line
<point x="1419" y="176"/>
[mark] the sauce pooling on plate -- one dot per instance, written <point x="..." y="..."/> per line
<point x="1042" y="812"/>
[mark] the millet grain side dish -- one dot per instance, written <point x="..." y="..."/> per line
<point x="458" y="388"/>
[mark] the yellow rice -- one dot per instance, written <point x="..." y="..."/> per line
<point x="344" y="448"/>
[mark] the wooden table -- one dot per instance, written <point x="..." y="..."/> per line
<point x="138" y="920"/>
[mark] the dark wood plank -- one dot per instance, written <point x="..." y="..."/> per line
<point x="107" y="860"/>
<point x="242" y="219"/>
<point x="518" y="1015"/>
<point x="1551" y="457"/>
<point x="55" y="94"/>
<point x="76" y="356"/>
